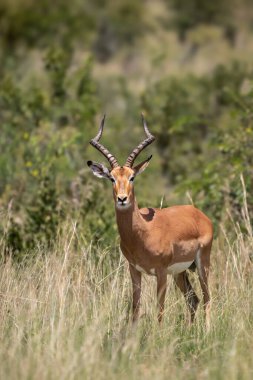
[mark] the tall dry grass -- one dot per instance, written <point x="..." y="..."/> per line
<point x="65" y="315"/>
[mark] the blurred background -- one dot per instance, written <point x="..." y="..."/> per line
<point x="186" y="64"/>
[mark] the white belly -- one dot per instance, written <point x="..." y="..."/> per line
<point x="178" y="267"/>
<point x="172" y="269"/>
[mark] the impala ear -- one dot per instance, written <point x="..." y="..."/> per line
<point x="99" y="170"/>
<point x="142" y="166"/>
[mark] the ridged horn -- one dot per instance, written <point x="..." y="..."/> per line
<point x="95" y="142"/>
<point x="150" y="138"/>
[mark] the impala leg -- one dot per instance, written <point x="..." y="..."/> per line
<point x="203" y="265"/>
<point x="161" y="291"/>
<point x="136" y="282"/>
<point x="192" y="301"/>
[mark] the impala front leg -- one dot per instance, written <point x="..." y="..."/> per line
<point x="161" y="291"/>
<point x="136" y="282"/>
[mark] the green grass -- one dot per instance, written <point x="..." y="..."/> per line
<point x="66" y="316"/>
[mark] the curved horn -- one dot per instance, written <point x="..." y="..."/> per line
<point x="95" y="142"/>
<point x="150" y="138"/>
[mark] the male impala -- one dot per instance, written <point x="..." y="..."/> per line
<point x="157" y="241"/>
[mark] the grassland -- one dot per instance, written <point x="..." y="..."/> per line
<point x="65" y="290"/>
<point x="66" y="315"/>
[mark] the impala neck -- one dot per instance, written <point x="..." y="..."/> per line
<point x="130" y="222"/>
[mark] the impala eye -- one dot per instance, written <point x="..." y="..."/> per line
<point x="112" y="180"/>
<point x="131" y="179"/>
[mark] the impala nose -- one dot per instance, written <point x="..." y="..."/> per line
<point x="122" y="199"/>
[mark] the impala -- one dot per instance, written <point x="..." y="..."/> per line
<point x="157" y="241"/>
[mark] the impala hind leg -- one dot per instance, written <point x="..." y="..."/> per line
<point x="161" y="292"/>
<point x="203" y="265"/>
<point x="192" y="301"/>
<point x="136" y="282"/>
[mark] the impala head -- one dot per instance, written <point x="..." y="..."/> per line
<point x="122" y="177"/>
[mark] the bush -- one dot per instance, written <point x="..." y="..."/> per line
<point x="205" y="136"/>
<point x="45" y="130"/>
<point x="191" y="13"/>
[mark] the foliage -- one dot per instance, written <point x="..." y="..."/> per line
<point x="33" y="23"/>
<point x="108" y="23"/>
<point x="93" y="208"/>
<point x="43" y="215"/>
<point x="43" y="137"/>
<point x="120" y="22"/>
<point x="205" y="134"/>
<point x="191" y="13"/>
<point x="50" y="97"/>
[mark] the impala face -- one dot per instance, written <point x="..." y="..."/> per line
<point x="122" y="178"/>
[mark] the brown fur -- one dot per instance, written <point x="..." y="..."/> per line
<point x="155" y="239"/>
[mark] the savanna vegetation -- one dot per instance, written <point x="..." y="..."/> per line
<point x="65" y="290"/>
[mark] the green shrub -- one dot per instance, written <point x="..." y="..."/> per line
<point x="205" y="136"/>
<point x="191" y="13"/>
<point x="45" y="131"/>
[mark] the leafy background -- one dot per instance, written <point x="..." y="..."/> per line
<point x="187" y="65"/>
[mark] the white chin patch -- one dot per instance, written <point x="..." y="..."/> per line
<point x="123" y="207"/>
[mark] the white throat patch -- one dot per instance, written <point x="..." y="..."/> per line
<point x="123" y="207"/>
